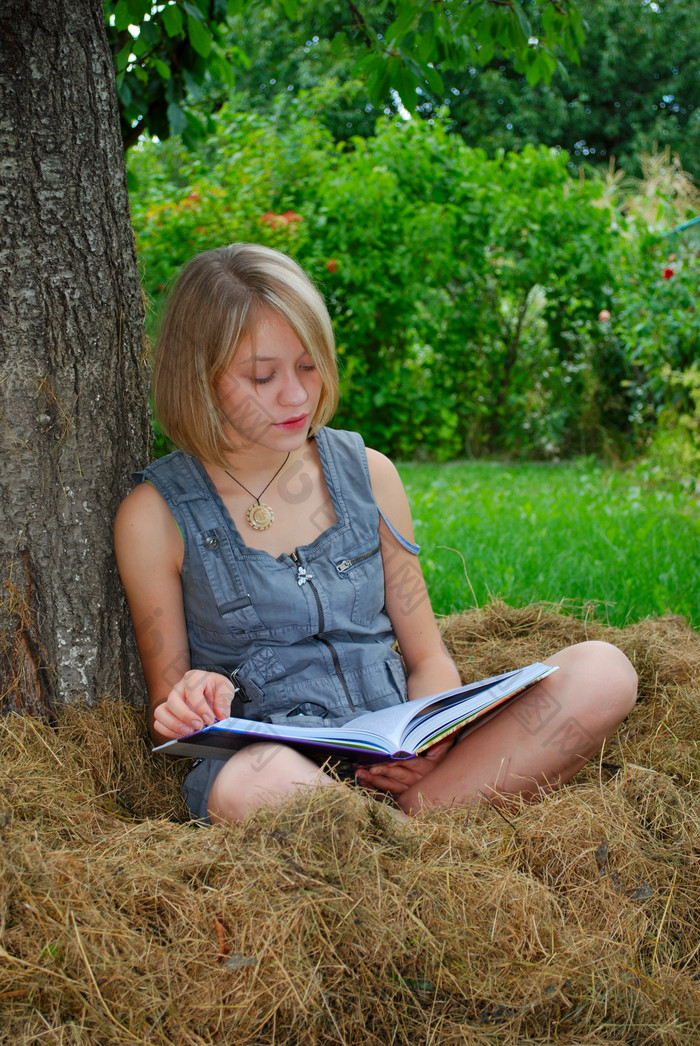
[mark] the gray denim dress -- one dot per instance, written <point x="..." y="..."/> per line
<point x="304" y="636"/>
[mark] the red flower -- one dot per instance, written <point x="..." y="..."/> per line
<point x="190" y="200"/>
<point x="332" y="265"/>
<point x="668" y="273"/>
<point x="277" y="220"/>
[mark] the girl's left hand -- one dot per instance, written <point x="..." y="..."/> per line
<point x="397" y="777"/>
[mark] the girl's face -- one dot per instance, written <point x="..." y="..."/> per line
<point x="271" y="389"/>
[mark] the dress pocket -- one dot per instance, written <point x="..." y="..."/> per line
<point x="240" y="617"/>
<point x="231" y="609"/>
<point x="361" y="568"/>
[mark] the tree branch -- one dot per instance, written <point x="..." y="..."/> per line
<point x="133" y="136"/>
<point x="360" y="22"/>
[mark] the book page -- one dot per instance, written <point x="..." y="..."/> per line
<point x="394" y="722"/>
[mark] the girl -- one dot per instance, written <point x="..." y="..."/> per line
<point x="269" y="566"/>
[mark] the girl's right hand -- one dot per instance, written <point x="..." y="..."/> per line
<point x="197" y="700"/>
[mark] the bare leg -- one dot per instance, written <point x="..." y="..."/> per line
<point x="261" y="775"/>
<point x="542" y="740"/>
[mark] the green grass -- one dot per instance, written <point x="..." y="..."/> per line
<point x="572" y="532"/>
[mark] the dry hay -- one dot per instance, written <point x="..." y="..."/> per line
<point x="327" y="921"/>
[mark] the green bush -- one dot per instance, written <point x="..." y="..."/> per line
<point x="464" y="291"/>
<point x="656" y="321"/>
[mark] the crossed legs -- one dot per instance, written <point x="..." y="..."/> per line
<point x="535" y="745"/>
<point x="542" y="739"/>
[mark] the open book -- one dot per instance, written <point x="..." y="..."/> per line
<point x="399" y="732"/>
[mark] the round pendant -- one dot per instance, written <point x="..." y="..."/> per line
<point x="260" y="516"/>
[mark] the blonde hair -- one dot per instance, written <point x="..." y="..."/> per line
<point x="215" y="301"/>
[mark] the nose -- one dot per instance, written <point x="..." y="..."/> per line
<point x="293" y="392"/>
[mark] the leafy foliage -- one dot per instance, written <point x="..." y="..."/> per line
<point x="636" y="82"/>
<point x="164" y="55"/>
<point x="169" y="57"/>
<point x="464" y="291"/>
<point x="654" y="318"/>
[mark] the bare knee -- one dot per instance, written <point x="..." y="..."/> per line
<point x="260" y="774"/>
<point x="619" y="674"/>
<point x="605" y="676"/>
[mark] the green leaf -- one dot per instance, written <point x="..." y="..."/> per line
<point x="486" y="52"/>
<point x="524" y="25"/>
<point x="150" y="33"/>
<point x="200" y="37"/>
<point x="291" y="9"/>
<point x="122" y="16"/>
<point x="221" y="70"/>
<point x="238" y="56"/>
<point x="549" y="20"/>
<point x="123" y="57"/>
<point x="194" y="132"/>
<point x="137" y="9"/>
<point x="548" y="64"/>
<point x="576" y="26"/>
<point x="402" y="25"/>
<point x="420" y="71"/>
<point x="405" y="85"/>
<point x="533" y="72"/>
<point x="176" y="118"/>
<point x="172" y="19"/>
<point x="124" y="91"/>
<point x="339" y="43"/>
<point x="139" y="46"/>
<point x="425" y="48"/>
<point x="162" y="68"/>
<point x="193" y="79"/>
<point x="193" y="11"/>
<point x="378" y="80"/>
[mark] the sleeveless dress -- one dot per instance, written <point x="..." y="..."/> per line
<point x="304" y="636"/>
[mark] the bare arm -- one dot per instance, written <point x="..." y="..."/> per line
<point x="149" y="551"/>
<point x="430" y="668"/>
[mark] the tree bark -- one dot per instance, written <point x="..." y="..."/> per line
<point x="74" y="389"/>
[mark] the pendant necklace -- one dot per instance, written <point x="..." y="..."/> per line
<point x="259" y="516"/>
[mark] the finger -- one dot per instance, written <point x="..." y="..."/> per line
<point x="199" y="692"/>
<point x="407" y="771"/>
<point x="385" y="784"/>
<point x="186" y="702"/>
<point x="180" y="709"/>
<point x="170" y="725"/>
<point x="220" y="692"/>
<point x="208" y="694"/>
<point x="393" y="772"/>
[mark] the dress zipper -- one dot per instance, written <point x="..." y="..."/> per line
<point x="304" y="577"/>
<point x="345" y="564"/>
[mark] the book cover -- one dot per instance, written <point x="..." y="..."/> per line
<point x="400" y="731"/>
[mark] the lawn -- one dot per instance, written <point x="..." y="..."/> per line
<point x="576" y="532"/>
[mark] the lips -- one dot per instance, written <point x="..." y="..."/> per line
<point x="293" y="423"/>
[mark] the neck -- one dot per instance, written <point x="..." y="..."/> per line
<point x="255" y="462"/>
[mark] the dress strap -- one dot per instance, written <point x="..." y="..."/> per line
<point x="410" y="546"/>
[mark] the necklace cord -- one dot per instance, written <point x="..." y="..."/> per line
<point x="257" y="499"/>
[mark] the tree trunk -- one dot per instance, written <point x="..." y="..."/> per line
<point x="74" y="400"/>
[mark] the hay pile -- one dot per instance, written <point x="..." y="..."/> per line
<point x="328" y="922"/>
